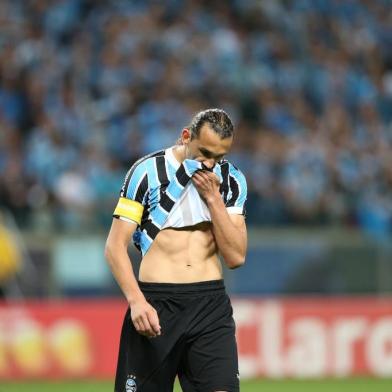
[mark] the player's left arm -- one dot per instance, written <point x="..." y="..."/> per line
<point x="229" y="229"/>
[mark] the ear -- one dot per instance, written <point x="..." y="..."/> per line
<point x="185" y="136"/>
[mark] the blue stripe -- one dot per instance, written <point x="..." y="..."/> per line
<point x="153" y="179"/>
<point x="217" y="170"/>
<point x="170" y="195"/>
<point x="145" y="242"/>
<point x="171" y="169"/>
<point x="242" y="187"/>
<point x="191" y="166"/>
<point x="159" y="216"/>
<point x="175" y="189"/>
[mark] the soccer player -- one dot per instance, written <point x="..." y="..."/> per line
<point x="183" y="206"/>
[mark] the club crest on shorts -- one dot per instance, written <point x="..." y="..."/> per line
<point x="130" y="384"/>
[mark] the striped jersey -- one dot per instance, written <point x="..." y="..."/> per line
<point x="149" y="183"/>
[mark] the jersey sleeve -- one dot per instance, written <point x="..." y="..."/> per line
<point x="133" y="194"/>
<point x="237" y="192"/>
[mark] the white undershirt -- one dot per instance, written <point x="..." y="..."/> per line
<point x="189" y="209"/>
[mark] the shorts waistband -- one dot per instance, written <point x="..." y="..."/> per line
<point x="196" y="288"/>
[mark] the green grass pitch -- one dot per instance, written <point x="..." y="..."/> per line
<point x="329" y="385"/>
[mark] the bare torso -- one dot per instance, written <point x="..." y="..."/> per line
<point x="182" y="255"/>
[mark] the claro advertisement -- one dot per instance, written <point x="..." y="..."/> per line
<point x="276" y="338"/>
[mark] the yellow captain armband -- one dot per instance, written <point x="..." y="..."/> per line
<point x="129" y="209"/>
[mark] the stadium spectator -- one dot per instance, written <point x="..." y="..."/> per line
<point x="309" y="84"/>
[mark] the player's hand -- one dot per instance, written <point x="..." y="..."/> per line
<point x="145" y="319"/>
<point x="207" y="184"/>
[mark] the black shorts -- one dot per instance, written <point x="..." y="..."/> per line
<point x="197" y="342"/>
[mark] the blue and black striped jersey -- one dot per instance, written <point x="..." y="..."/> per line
<point x="148" y="179"/>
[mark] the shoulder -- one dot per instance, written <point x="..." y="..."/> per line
<point x="228" y="169"/>
<point x="137" y="176"/>
<point x="234" y="188"/>
<point x="142" y="163"/>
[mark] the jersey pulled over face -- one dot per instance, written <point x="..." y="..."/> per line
<point x="208" y="148"/>
<point x="143" y="196"/>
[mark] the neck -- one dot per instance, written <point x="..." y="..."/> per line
<point x="179" y="153"/>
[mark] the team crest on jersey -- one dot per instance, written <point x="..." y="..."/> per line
<point x="130" y="385"/>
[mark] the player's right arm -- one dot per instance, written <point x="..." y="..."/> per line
<point x="127" y="217"/>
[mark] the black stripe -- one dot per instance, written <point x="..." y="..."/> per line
<point x="151" y="229"/>
<point x="146" y="214"/>
<point x="181" y="175"/>
<point x="224" y="187"/>
<point x="128" y="176"/>
<point x="141" y="191"/>
<point x="234" y="192"/>
<point x="161" y="169"/>
<point x="166" y="203"/>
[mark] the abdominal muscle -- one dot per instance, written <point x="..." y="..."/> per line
<point x="182" y="255"/>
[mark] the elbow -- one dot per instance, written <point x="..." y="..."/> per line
<point x="236" y="261"/>
<point x="108" y="252"/>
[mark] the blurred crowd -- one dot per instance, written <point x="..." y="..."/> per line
<point x="87" y="87"/>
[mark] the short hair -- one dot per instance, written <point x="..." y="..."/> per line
<point x="217" y="119"/>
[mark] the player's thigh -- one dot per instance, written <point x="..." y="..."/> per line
<point x="210" y="362"/>
<point x="162" y="380"/>
<point x="147" y="364"/>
